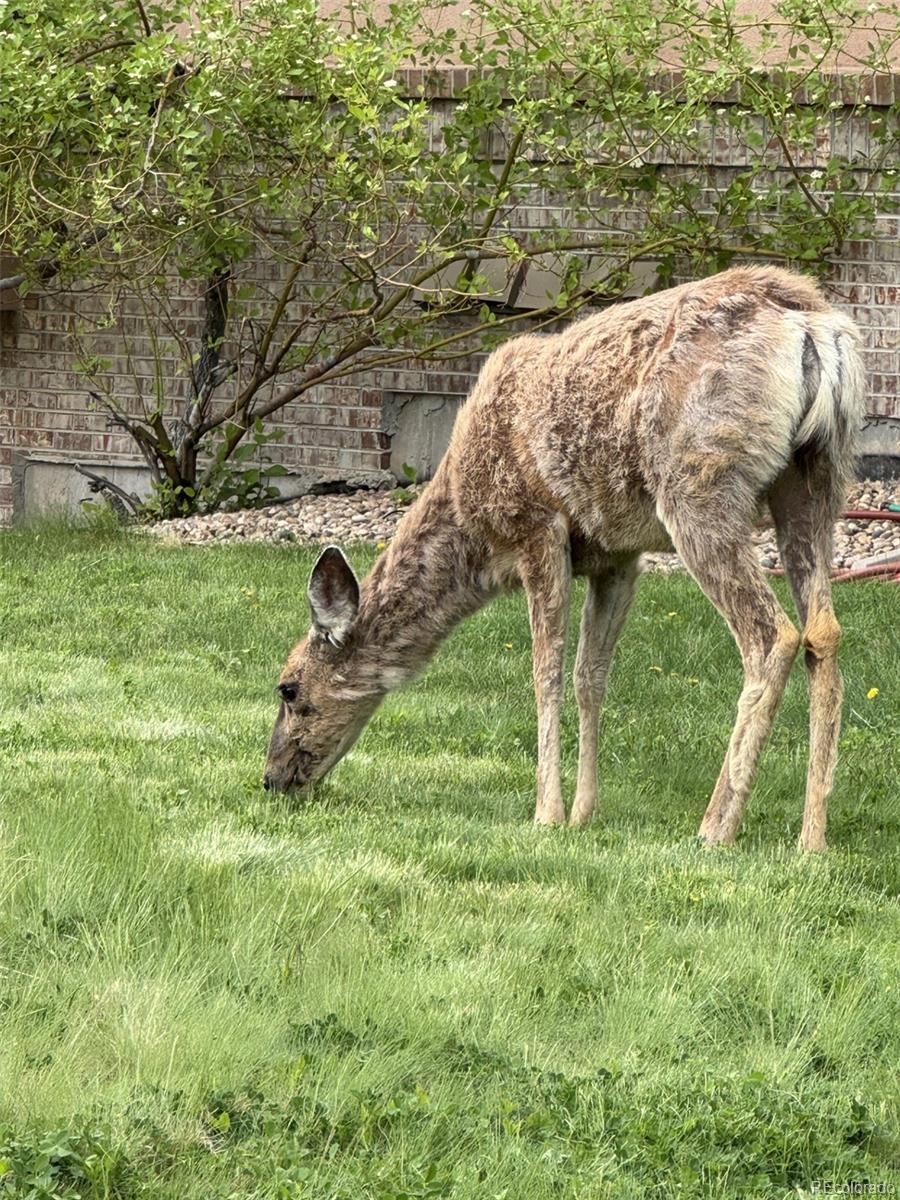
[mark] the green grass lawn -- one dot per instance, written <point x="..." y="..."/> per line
<point x="401" y="988"/>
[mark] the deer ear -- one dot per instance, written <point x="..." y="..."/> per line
<point x="333" y="595"/>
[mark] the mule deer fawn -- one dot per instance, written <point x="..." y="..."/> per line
<point x="663" y="423"/>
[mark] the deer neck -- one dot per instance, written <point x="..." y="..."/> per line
<point x="432" y="576"/>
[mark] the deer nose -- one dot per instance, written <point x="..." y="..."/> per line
<point x="267" y="781"/>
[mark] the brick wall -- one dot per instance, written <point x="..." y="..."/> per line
<point x="336" y="430"/>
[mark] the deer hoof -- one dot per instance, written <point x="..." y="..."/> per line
<point x="579" y="819"/>
<point x="554" y="816"/>
<point x="812" y="843"/>
<point x="715" y="839"/>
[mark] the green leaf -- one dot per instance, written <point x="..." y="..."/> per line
<point x="244" y="453"/>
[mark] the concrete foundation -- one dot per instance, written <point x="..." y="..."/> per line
<point x="46" y="486"/>
<point x="419" y="429"/>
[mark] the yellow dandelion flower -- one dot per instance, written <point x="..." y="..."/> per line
<point x="871" y="693"/>
<point x="507" y="645"/>
<point x="659" y="670"/>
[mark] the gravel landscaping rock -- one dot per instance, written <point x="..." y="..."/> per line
<point x="361" y="516"/>
<point x="372" y="516"/>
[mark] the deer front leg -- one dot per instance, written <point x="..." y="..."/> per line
<point x="606" y="606"/>
<point x="546" y="574"/>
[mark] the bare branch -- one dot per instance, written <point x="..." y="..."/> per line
<point x="144" y="20"/>
<point x="126" y="505"/>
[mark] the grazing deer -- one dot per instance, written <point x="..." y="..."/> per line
<point x="663" y="423"/>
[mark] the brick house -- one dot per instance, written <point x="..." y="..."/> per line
<point x="369" y="424"/>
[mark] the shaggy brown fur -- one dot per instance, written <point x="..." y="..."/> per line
<point x="666" y="422"/>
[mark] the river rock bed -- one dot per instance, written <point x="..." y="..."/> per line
<point x="372" y="516"/>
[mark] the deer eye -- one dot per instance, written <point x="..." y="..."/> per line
<point x="288" y="691"/>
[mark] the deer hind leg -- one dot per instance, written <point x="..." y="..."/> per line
<point x="605" y="608"/>
<point x="546" y="573"/>
<point x="721" y="558"/>
<point x="804" y="507"/>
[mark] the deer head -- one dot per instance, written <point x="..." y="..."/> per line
<point x="324" y="702"/>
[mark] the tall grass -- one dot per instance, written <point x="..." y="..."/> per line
<point x="401" y="988"/>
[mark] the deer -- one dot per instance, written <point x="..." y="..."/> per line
<point x="669" y="422"/>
